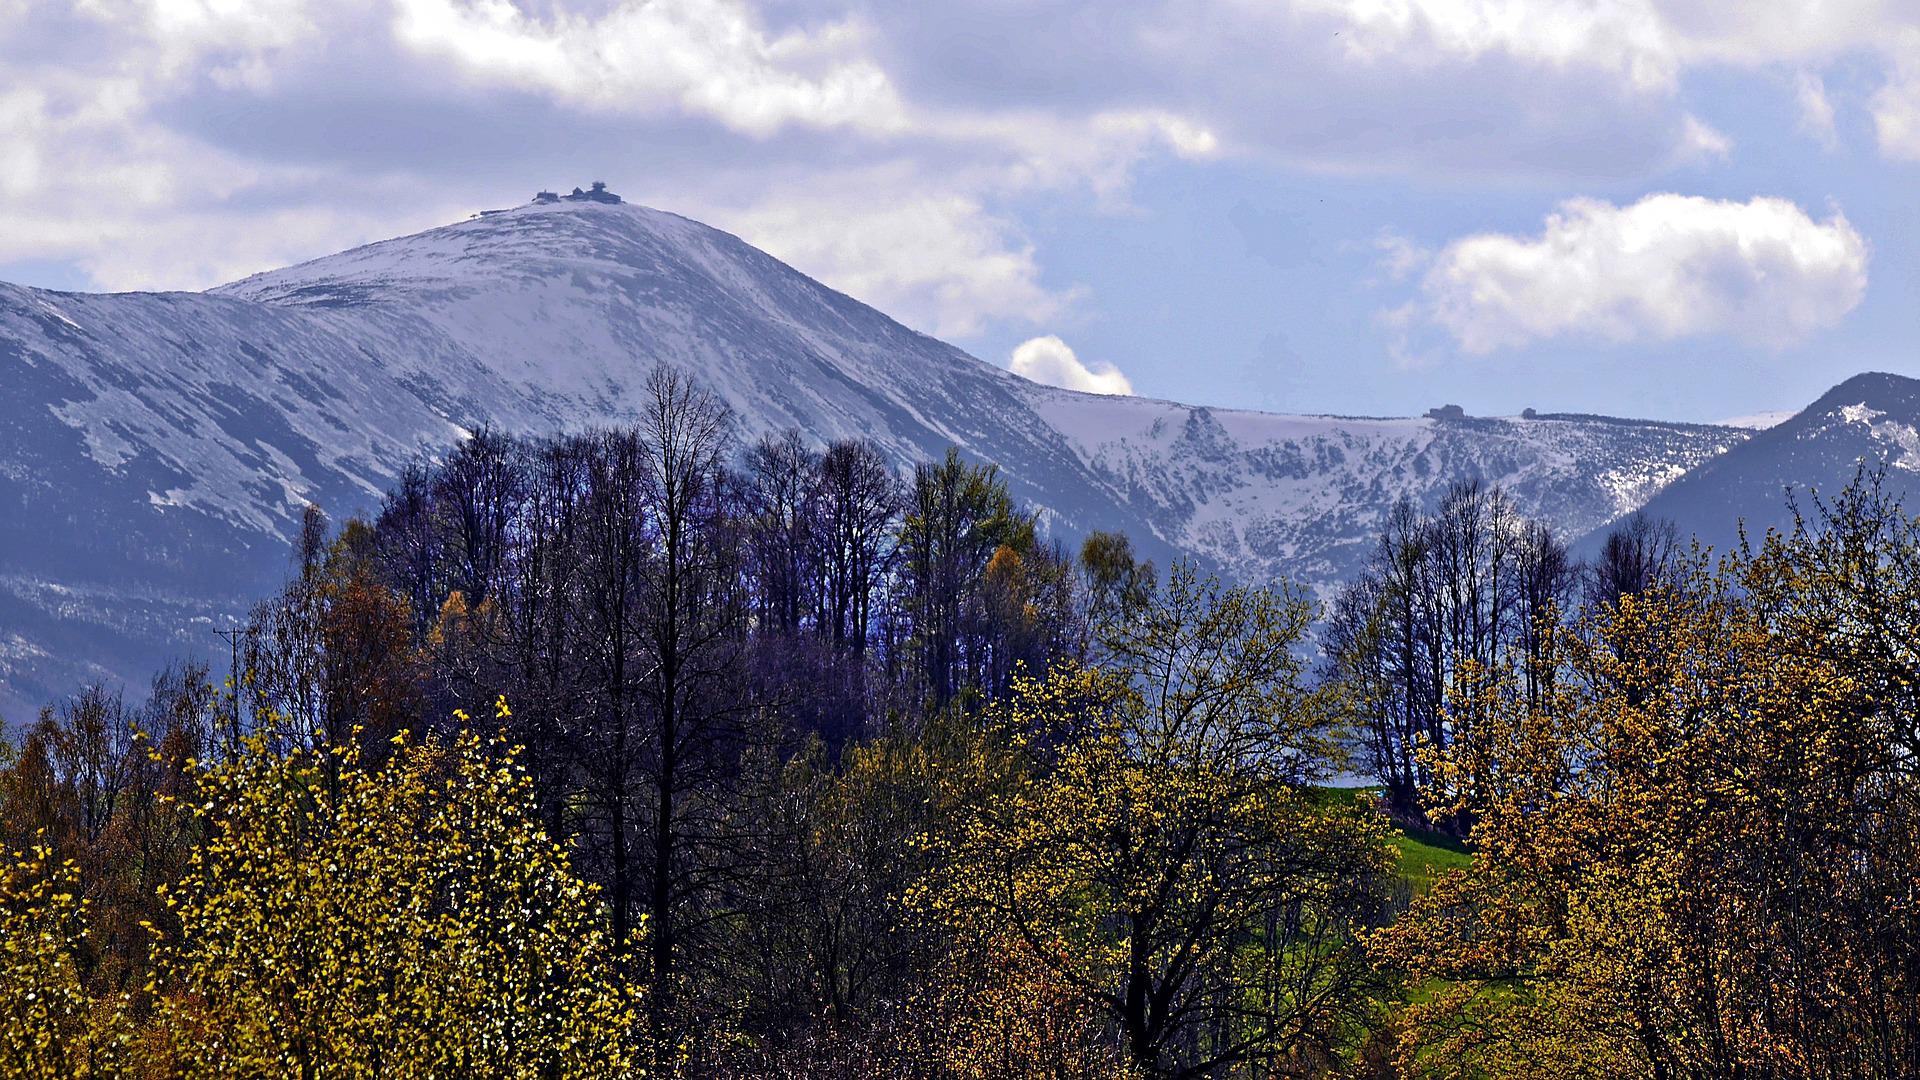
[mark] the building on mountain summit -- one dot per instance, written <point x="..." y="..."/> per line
<point x="598" y="193"/>
<point x="1447" y="412"/>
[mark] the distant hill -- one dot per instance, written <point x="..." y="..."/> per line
<point x="1871" y="419"/>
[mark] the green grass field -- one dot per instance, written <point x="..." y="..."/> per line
<point x="1426" y="855"/>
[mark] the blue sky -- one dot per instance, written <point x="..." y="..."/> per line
<point x="1679" y="210"/>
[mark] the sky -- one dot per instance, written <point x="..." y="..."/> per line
<point x="1679" y="210"/>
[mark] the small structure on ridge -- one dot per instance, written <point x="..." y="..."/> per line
<point x="597" y="193"/>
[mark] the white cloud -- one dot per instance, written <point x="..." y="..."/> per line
<point x="1666" y="267"/>
<point x="940" y="263"/>
<point x="228" y="40"/>
<point x="888" y="149"/>
<point x="1816" y="109"/>
<point x="1701" y="144"/>
<point x="137" y="204"/>
<point x="1649" y="43"/>
<point x="1400" y="256"/>
<point x="1645" y="47"/>
<point x="1627" y="38"/>
<point x="1051" y="361"/>
<point x="1759" y="421"/>
<point x="1185" y="137"/>
<point x="709" y="57"/>
<point x="108" y="194"/>
<point x="1780" y="31"/>
<point x="1896" y="105"/>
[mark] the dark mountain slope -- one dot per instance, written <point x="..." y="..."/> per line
<point x="1871" y="420"/>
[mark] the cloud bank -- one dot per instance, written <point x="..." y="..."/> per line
<point x="711" y="58"/>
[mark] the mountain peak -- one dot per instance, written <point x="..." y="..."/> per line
<point x="569" y="301"/>
<point x="543" y="237"/>
<point x="1870" y="420"/>
<point x="1880" y="389"/>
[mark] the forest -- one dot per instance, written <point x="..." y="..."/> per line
<point x="650" y="752"/>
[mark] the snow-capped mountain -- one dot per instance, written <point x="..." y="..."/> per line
<point x="1871" y="420"/>
<point x="156" y="449"/>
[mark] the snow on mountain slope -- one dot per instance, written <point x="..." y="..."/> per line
<point x="1264" y="495"/>
<point x="570" y="304"/>
<point x="155" y="449"/>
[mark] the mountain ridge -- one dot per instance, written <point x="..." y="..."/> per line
<point x="156" y="448"/>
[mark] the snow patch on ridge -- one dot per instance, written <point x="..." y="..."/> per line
<point x="1858" y="414"/>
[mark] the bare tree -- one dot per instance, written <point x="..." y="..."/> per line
<point x="692" y="641"/>
<point x="858" y="510"/>
<point x="1636" y="553"/>
<point x="782" y="486"/>
<point x="1474" y="586"/>
<point x="479" y="489"/>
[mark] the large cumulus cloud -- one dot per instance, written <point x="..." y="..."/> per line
<point x="1664" y="268"/>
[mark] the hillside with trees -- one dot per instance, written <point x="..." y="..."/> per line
<point x="639" y="751"/>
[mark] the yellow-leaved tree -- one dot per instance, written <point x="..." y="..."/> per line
<point x="1158" y="854"/>
<point x="49" y="1026"/>
<point x="407" y="919"/>
<point x="1697" y="857"/>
